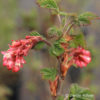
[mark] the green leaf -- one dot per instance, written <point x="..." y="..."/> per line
<point x="39" y="45"/>
<point x="34" y="33"/>
<point x="54" y="31"/>
<point x="83" y="20"/>
<point x="28" y="19"/>
<point x="63" y="13"/>
<point x="86" y="18"/>
<point x="56" y="48"/>
<point x="60" y="98"/>
<point x="51" y="4"/>
<point x="78" y="41"/>
<point x="89" y="15"/>
<point x="61" y="40"/>
<point x="49" y="73"/>
<point x="79" y="93"/>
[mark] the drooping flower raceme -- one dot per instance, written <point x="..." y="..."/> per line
<point x="81" y="57"/>
<point x="13" y="57"/>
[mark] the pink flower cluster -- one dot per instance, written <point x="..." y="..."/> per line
<point x="81" y="57"/>
<point x="13" y="57"/>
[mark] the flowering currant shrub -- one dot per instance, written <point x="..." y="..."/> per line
<point x="68" y="47"/>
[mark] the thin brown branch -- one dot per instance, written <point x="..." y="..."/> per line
<point x="59" y="18"/>
<point x="60" y="80"/>
<point x="68" y="30"/>
<point x="48" y="43"/>
<point x="60" y="87"/>
<point x="66" y="25"/>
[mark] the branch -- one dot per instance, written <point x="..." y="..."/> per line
<point x="66" y="24"/>
<point x="48" y="43"/>
<point x="60" y="84"/>
<point x="59" y="18"/>
<point x="68" y="30"/>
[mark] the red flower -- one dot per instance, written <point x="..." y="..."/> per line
<point x="13" y="57"/>
<point x="81" y="57"/>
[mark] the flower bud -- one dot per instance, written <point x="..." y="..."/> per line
<point x="54" y="86"/>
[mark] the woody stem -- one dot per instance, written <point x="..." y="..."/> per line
<point x="66" y="25"/>
<point x="48" y="43"/>
<point x="59" y="18"/>
<point x="69" y="28"/>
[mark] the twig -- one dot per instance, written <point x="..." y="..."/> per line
<point x="59" y="18"/>
<point x="69" y="29"/>
<point x="60" y="81"/>
<point x="66" y="24"/>
<point x="60" y="86"/>
<point x="66" y="32"/>
<point x="48" y="43"/>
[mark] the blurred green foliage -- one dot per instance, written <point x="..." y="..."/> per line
<point x="60" y="98"/>
<point x="8" y="15"/>
<point x="31" y="86"/>
<point x="29" y="20"/>
<point x="7" y="20"/>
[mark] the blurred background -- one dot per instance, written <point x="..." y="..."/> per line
<point x="17" y="19"/>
